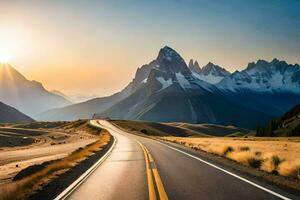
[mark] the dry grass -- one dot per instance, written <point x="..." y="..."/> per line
<point x="277" y="156"/>
<point x="23" y="188"/>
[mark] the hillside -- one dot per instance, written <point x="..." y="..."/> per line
<point x="178" y="129"/>
<point x="30" y="97"/>
<point x="213" y="129"/>
<point x="9" y="114"/>
<point x="287" y="125"/>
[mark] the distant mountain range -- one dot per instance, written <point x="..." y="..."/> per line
<point x="9" y="114"/>
<point x="30" y="97"/>
<point x="168" y="90"/>
<point x="75" y="98"/>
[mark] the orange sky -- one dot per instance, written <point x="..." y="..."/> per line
<point x="96" y="47"/>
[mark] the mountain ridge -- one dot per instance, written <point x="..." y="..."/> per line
<point x="9" y="114"/>
<point x="168" y="90"/>
<point x="30" y="97"/>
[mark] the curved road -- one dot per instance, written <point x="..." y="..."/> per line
<point x="142" y="168"/>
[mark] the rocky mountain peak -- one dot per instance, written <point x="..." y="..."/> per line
<point x="168" y="53"/>
<point x="265" y="76"/>
<point x="194" y="66"/>
<point x="215" y="70"/>
<point x="169" y="61"/>
<point x="265" y="67"/>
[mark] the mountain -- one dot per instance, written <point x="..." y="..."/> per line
<point x="75" y="98"/>
<point x="9" y="114"/>
<point x="173" y="93"/>
<point x="59" y="93"/>
<point x="269" y="86"/>
<point x="287" y="125"/>
<point x="88" y="108"/>
<point x="194" y="66"/>
<point x="265" y="76"/>
<point x="210" y="73"/>
<point x="169" y="90"/>
<point x="29" y="97"/>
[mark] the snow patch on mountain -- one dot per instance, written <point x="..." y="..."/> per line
<point x="183" y="82"/>
<point x="208" y="78"/>
<point x="210" y="73"/>
<point x="145" y="80"/>
<point x="164" y="83"/>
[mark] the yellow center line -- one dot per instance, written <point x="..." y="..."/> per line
<point x="161" y="190"/>
<point x="151" y="169"/>
<point x="151" y="190"/>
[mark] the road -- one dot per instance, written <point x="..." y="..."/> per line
<point x="142" y="168"/>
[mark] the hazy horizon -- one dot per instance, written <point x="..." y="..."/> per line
<point x="95" y="47"/>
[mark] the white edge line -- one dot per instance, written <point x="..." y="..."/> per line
<point x="85" y="175"/>
<point x="230" y="173"/>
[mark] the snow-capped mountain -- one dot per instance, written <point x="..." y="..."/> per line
<point x="169" y="90"/>
<point x="194" y="66"/>
<point x="170" y="68"/>
<point x="264" y="76"/>
<point x="172" y="92"/>
<point x="210" y="73"/>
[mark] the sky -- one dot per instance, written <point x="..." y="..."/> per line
<point x="95" y="47"/>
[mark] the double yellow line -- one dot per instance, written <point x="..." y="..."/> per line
<point x="155" y="186"/>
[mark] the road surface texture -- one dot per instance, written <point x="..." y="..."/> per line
<point x="143" y="168"/>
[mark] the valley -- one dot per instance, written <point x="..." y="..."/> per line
<point x="24" y="147"/>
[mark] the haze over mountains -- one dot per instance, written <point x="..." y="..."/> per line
<point x="30" y="97"/>
<point x="75" y="98"/>
<point x="9" y="114"/>
<point x="167" y="89"/>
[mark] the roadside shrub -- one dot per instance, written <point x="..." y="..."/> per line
<point x="291" y="168"/>
<point x="271" y="163"/>
<point x="244" y="157"/>
<point x="244" y="148"/>
<point x="254" y="162"/>
<point x="258" y="153"/>
<point x="220" y="150"/>
<point x="276" y="161"/>
<point x="228" y="149"/>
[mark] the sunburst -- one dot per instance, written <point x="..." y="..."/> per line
<point x="4" y="56"/>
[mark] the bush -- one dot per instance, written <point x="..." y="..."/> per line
<point x="258" y="153"/>
<point x="276" y="161"/>
<point x="228" y="149"/>
<point x="245" y="148"/>
<point x="254" y="162"/>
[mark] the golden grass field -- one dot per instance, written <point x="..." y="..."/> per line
<point x="26" y="186"/>
<point x="274" y="155"/>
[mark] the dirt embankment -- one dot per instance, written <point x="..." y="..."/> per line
<point x="29" y="144"/>
<point x="55" y="175"/>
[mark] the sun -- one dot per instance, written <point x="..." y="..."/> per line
<point x="5" y="56"/>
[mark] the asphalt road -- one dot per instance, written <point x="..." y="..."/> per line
<point x="142" y="168"/>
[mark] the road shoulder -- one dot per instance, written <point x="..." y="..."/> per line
<point x="58" y="185"/>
